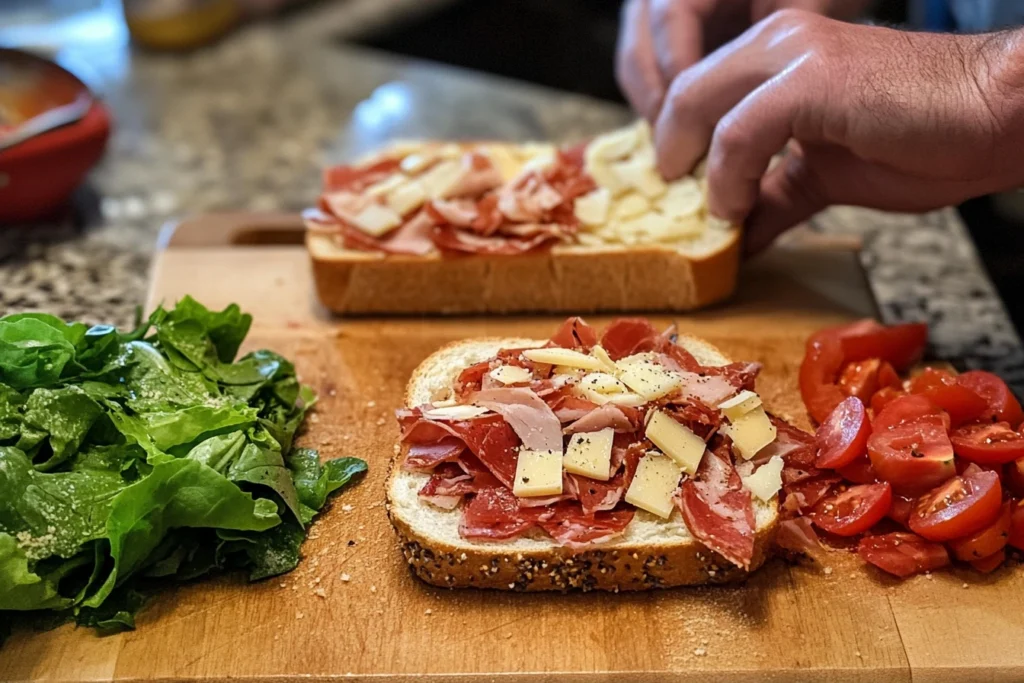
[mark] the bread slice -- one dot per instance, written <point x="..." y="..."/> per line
<point x="651" y="553"/>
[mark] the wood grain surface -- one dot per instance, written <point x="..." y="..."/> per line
<point x="352" y="611"/>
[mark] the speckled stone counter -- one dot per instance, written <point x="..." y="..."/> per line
<point x="248" y="123"/>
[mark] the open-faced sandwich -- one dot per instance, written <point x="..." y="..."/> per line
<point x="633" y="460"/>
<point x="428" y="227"/>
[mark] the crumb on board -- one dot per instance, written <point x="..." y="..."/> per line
<point x="371" y="404"/>
<point x="700" y="652"/>
<point x="347" y="508"/>
<point x="373" y="589"/>
<point x="299" y="615"/>
<point x="320" y="593"/>
<point x="428" y="611"/>
<point x="827" y="571"/>
<point x="346" y="578"/>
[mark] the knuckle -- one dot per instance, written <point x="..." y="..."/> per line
<point x="730" y="139"/>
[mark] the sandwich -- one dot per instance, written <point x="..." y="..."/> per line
<point x="627" y="461"/>
<point x="431" y="227"/>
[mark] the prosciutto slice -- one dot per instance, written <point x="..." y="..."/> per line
<point x="575" y="333"/>
<point x="447" y="485"/>
<point x="489" y="437"/>
<point x="707" y="388"/>
<point x="572" y="528"/>
<point x="619" y="418"/>
<point x="596" y="496"/>
<point x="425" y="457"/>
<point x="629" y="336"/>
<point x="717" y="509"/>
<point x="530" y="417"/>
<point x="358" y="178"/>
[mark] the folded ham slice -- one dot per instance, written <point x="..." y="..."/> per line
<point x="530" y="417"/>
<point x="619" y="418"/>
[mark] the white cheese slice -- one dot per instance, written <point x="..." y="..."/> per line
<point x="385" y="186"/>
<point x="560" y="356"/>
<point x="683" y="228"/>
<point x="505" y="161"/>
<point x="589" y="454"/>
<point x="377" y="219"/>
<point x="459" y="412"/>
<point x="750" y="432"/>
<point x="599" y="353"/>
<point x="406" y="198"/>
<point x="739" y="405"/>
<point x="603" y="383"/>
<point x="617" y="144"/>
<point x="451" y="150"/>
<point x="766" y="481"/>
<point x="538" y="473"/>
<point x="511" y="374"/>
<point x="628" y="399"/>
<point x="592" y="208"/>
<point x="649" y="226"/>
<point x="629" y="206"/>
<point x="415" y="163"/>
<point x="682" y="199"/>
<point x="604" y="177"/>
<point x="650" y="380"/>
<point x="442" y="178"/>
<point x="643" y="357"/>
<point x="539" y="162"/>
<point x="654" y="484"/>
<point x="566" y="371"/>
<point x="676" y="441"/>
<point x="640" y="175"/>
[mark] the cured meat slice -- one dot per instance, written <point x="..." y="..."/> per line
<point x="572" y="528"/>
<point x="717" y="509"/>
<point x="619" y="418"/>
<point x="489" y="437"/>
<point x="450" y="238"/>
<point x="447" y="485"/>
<point x="494" y="514"/>
<point x="699" y="418"/>
<point x="707" y="388"/>
<point x="568" y="408"/>
<point x="595" y="496"/>
<point x="530" y="417"/>
<point x="425" y="457"/>
<point x="798" y="536"/>
<point x="575" y="333"/>
<point x="358" y="178"/>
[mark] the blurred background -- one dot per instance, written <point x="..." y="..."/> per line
<point x="237" y="104"/>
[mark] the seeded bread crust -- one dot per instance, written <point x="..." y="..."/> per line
<point x="652" y="553"/>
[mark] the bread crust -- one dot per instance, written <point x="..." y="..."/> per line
<point x="612" y="567"/>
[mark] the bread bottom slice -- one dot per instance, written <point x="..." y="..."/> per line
<point x="574" y="279"/>
<point x="650" y="553"/>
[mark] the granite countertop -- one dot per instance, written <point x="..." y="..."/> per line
<point x="248" y="123"/>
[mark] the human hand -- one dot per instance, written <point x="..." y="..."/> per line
<point x="873" y="117"/>
<point x="660" y="38"/>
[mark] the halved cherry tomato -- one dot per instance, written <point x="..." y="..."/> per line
<point x="854" y="510"/>
<point x="843" y="436"/>
<point x="818" y="373"/>
<point x="988" y="444"/>
<point x="901" y="345"/>
<point x="901" y="508"/>
<point x="884" y="397"/>
<point x="1003" y="406"/>
<point x="942" y="389"/>
<point x="862" y="326"/>
<point x="887" y="376"/>
<point x="903" y="410"/>
<point x="804" y="494"/>
<point x="989" y="564"/>
<point x="1013" y="477"/>
<point x="914" y="457"/>
<point x="902" y="553"/>
<point x="860" y="471"/>
<point x="986" y="541"/>
<point x="959" y="507"/>
<point x="860" y="379"/>
<point x="1016" y="538"/>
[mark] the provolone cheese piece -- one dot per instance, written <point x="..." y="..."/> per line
<point x="766" y="481"/>
<point x="649" y="227"/>
<point x="643" y="357"/>
<point x="407" y="197"/>
<point x="565" y="370"/>
<point x="414" y="163"/>
<point x="592" y="208"/>
<point x="589" y="454"/>
<point x="631" y="205"/>
<point x="603" y="383"/>
<point x="624" y="399"/>
<point x="538" y="473"/>
<point x="505" y="161"/>
<point x="676" y="441"/>
<point x="539" y="162"/>
<point x="377" y="219"/>
<point x="654" y="484"/>
<point x="441" y="179"/>
<point x="750" y="432"/>
<point x="511" y="374"/>
<point x="559" y="356"/>
<point x="460" y="412"/>
<point x="739" y="405"/>
<point x="682" y="199"/>
<point x="650" y="380"/>
<point x="641" y="176"/>
<point x="604" y="177"/>
<point x="387" y="185"/>
<point x="599" y="353"/>
<point x="614" y="145"/>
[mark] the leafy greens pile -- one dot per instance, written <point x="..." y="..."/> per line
<point x="151" y="455"/>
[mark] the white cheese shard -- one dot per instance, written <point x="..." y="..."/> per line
<point x="617" y="144"/>
<point x="460" y="412"/>
<point x="508" y="165"/>
<point x="766" y="481"/>
<point x="639" y="174"/>
<point x="629" y="206"/>
<point x="442" y="179"/>
<point x="589" y="454"/>
<point x="599" y="353"/>
<point x="654" y="484"/>
<point x="377" y="219"/>
<point x="385" y="186"/>
<point x="406" y="198"/>
<point x="538" y="473"/>
<point x="676" y="441"/>
<point x="650" y="380"/>
<point x="750" y="432"/>
<point x="592" y="208"/>
<point x="560" y="356"/>
<point x="511" y="374"/>
<point x="603" y="383"/>
<point x="414" y="163"/>
<point x="682" y="199"/>
<point x="739" y="405"/>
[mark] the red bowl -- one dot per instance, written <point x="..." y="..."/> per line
<point x="39" y="173"/>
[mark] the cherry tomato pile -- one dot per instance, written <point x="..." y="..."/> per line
<point x="922" y="471"/>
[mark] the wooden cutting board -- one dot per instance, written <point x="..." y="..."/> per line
<point x="352" y="611"/>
